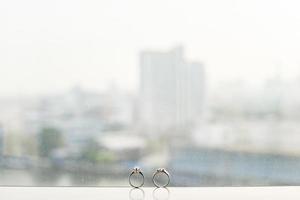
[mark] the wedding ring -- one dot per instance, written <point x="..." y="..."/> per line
<point x="136" y="170"/>
<point x="161" y="171"/>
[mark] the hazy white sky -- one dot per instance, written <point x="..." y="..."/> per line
<point x="48" y="46"/>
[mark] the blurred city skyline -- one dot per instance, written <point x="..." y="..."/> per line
<point x="175" y="89"/>
<point x="92" y="137"/>
<point x="207" y="89"/>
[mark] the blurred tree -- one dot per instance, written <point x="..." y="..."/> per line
<point x="91" y="152"/>
<point x="49" y="139"/>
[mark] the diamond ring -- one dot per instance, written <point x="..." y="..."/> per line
<point x="137" y="171"/>
<point x="158" y="172"/>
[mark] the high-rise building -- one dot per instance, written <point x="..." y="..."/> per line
<point x="1" y="140"/>
<point x="171" y="91"/>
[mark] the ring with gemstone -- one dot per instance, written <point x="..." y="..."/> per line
<point x="161" y="171"/>
<point x="136" y="170"/>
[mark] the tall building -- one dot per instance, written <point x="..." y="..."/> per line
<point x="1" y="140"/>
<point x="171" y="91"/>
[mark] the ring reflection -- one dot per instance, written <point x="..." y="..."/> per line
<point x="161" y="194"/>
<point x="136" y="194"/>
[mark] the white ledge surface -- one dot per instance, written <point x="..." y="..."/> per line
<point x="96" y="193"/>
